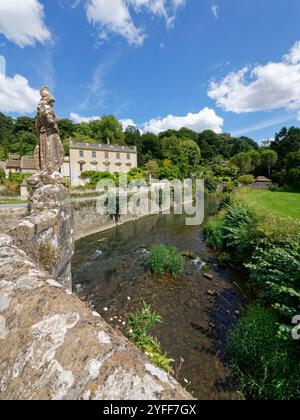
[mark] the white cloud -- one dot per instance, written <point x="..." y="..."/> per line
<point x="2" y="65"/>
<point x="114" y="16"/>
<point x="203" y="120"/>
<point x="79" y="119"/>
<point x="215" y="10"/>
<point x="16" y="95"/>
<point x="265" y="87"/>
<point x="22" y="22"/>
<point x="127" y="122"/>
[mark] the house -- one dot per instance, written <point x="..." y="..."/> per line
<point x="261" y="183"/>
<point x="100" y="157"/>
<point x="83" y="157"/>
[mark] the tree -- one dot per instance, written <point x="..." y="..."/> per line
<point x="150" y="148"/>
<point x="242" y="161"/>
<point x="107" y="129"/>
<point x="293" y="170"/>
<point x="66" y="128"/>
<point x="132" y="136"/>
<point x="153" y="168"/>
<point x="286" y="141"/>
<point x="25" y="143"/>
<point x="268" y="159"/>
<point x="24" y="124"/>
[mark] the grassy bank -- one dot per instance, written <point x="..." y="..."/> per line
<point x="279" y="203"/>
<point x="261" y="351"/>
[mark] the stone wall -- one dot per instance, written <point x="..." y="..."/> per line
<point x="53" y="347"/>
<point x="88" y="222"/>
<point x="47" y="233"/>
<point x="10" y="217"/>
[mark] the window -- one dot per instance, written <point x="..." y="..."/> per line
<point x="106" y="168"/>
<point x="81" y="153"/>
<point x="106" y="155"/>
<point x="128" y="156"/>
<point x="94" y="167"/>
<point x="118" y="156"/>
<point x="81" y="167"/>
<point x="94" y="155"/>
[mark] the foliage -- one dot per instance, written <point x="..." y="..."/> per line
<point x="243" y="161"/>
<point x="268" y="159"/>
<point x="165" y="260"/>
<point x="153" y="168"/>
<point x="265" y="366"/>
<point x="239" y="229"/>
<point x="211" y="183"/>
<point x="139" y="325"/>
<point x="228" y="187"/>
<point x="276" y="273"/>
<point x="214" y="234"/>
<point x="246" y="179"/>
<point x="17" y="178"/>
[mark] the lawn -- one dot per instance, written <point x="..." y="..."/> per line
<point x="280" y="203"/>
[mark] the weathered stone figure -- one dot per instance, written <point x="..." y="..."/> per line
<point x="49" y="154"/>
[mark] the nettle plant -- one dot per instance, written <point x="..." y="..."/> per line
<point x="277" y="273"/>
<point x="139" y="325"/>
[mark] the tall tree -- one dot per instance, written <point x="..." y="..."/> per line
<point x="268" y="159"/>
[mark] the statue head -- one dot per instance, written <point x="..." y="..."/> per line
<point x="46" y="95"/>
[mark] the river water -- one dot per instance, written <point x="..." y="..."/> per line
<point x="109" y="272"/>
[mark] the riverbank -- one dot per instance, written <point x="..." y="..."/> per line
<point x="261" y="350"/>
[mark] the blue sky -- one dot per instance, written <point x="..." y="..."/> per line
<point x="229" y="65"/>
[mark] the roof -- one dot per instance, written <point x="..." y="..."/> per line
<point x="28" y="164"/>
<point x="102" y="147"/>
<point x="262" y="179"/>
<point x="12" y="164"/>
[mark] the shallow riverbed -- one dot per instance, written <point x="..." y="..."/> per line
<point x="109" y="272"/>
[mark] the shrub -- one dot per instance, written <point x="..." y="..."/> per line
<point x="239" y="229"/>
<point x="157" y="260"/>
<point x="246" y="179"/>
<point x="228" y="187"/>
<point x="211" y="183"/>
<point x="214" y="233"/>
<point x="175" y="263"/>
<point x="139" y="325"/>
<point x="265" y="366"/>
<point x="276" y="274"/>
<point x="165" y="260"/>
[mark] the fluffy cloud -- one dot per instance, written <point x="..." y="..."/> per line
<point x="79" y="119"/>
<point x="22" y="22"/>
<point x="114" y="16"/>
<point x="127" y="122"/>
<point x="16" y="95"/>
<point x="204" y="120"/>
<point x="265" y="87"/>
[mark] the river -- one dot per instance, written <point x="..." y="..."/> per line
<point x="109" y="272"/>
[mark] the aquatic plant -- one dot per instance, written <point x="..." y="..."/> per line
<point x="139" y="325"/>
<point x="165" y="260"/>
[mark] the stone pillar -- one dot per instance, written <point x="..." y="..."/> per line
<point x="24" y="191"/>
<point x="47" y="234"/>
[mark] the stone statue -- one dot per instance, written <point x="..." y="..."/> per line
<point x="48" y="184"/>
<point x="49" y="154"/>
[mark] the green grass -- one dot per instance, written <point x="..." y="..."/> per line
<point x="12" y="202"/>
<point x="279" y="203"/>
